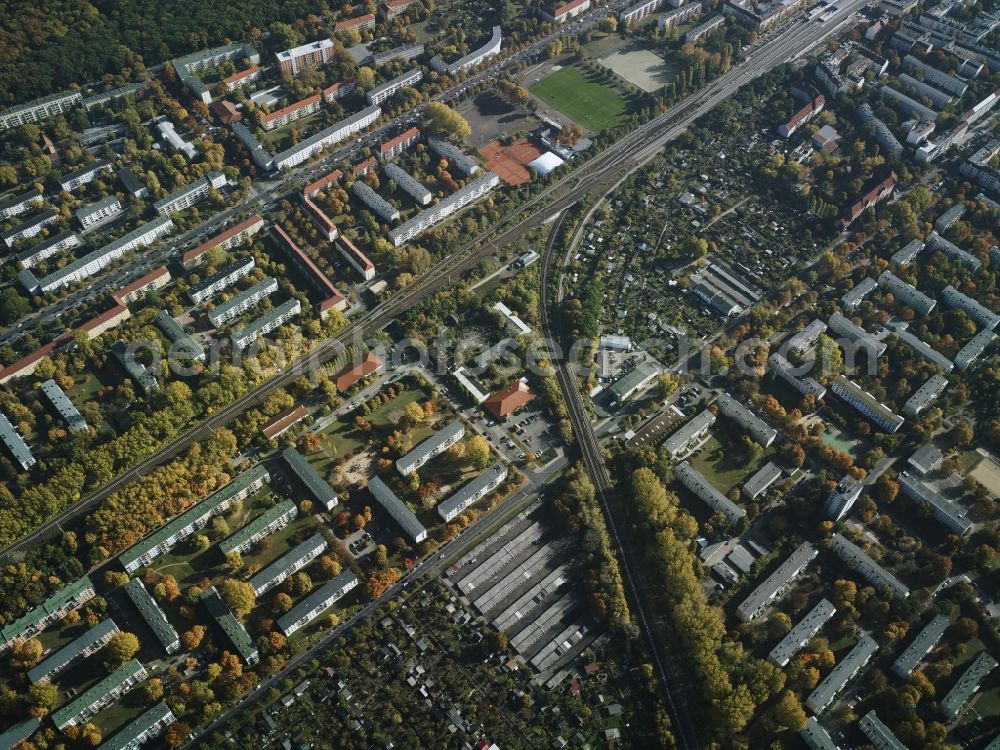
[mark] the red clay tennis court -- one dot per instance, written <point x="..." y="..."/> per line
<point x="510" y="162"/>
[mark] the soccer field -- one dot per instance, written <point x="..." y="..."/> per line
<point x="584" y="100"/>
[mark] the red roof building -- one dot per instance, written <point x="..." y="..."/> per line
<point x="291" y="113"/>
<point x="356" y="258"/>
<point x="568" y="10"/>
<point x="320" y="219"/>
<point x="364" y="167"/>
<point x="226" y="112"/>
<point x="339" y="90"/>
<point x="241" y="78"/>
<point x="395" y="146"/>
<point x="310" y="190"/>
<point x="283" y="422"/>
<point x="514" y="397"/>
<point x="357" y="371"/>
<point x="155" y="279"/>
<point x="392" y="8"/>
<point x="361" y="22"/>
<point x="332" y="299"/>
<point x="232" y="237"/>
<point x="804" y="115"/>
<point x="880" y="191"/>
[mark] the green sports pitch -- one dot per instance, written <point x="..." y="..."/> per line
<point x="583" y="99"/>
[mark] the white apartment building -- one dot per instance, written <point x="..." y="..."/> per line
<point x="238" y="304"/>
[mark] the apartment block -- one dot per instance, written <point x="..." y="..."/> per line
<point x="99" y="213"/>
<point x="973" y="350"/>
<point x="393" y="147"/>
<point x="232" y="237"/>
<point x="856" y="335"/>
<point x="777" y="583"/>
<point x="925" y="395"/>
<point x="193" y="519"/>
<point x="785" y="370"/>
<point x="867" y="405"/>
<point x="269" y="321"/>
<point x="92" y="701"/>
<point x="361" y="23"/>
<point x="186" y="67"/>
<point x="561" y="13"/>
<point x="953" y="251"/>
<point x="314" y="188"/>
<point x="242" y="78"/>
<point x="190" y="194"/>
<point x="39" y="109"/>
<point x="979" y="313"/>
<point x="302" y="151"/>
<point x="234" y="630"/>
<point x="132" y="184"/>
<point x="967" y="685"/>
<point x="47" y="248"/>
<point x="61" y="403"/>
<point x="358" y="260"/>
<point x="282" y="422"/>
<point x="238" y="304"/>
<point x="71" y="596"/>
<point x="292" y="562"/>
<point x="639" y="11"/>
<point x="705" y="491"/>
<point x="15" y="444"/>
<point x="816" y="737"/>
<point x="749" y="422"/>
<point x="397" y="510"/>
<point x="878" y="733"/>
<point x="488" y="50"/>
<point x="143" y="379"/>
<point x="375" y="202"/>
<point x="922" y="645"/>
<point x="90" y="642"/>
<point x="870" y="570"/>
<point x="804" y="340"/>
<point x="380" y="93"/>
<point x="330" y="296"/>
<point x="803" y="631"/>
<point x="906" y="293"/>
<point x="291" y="113"/>
<point x="148" y="726"/>
<point x="96" y="260"/>
<point x="30" y="227"/>
<point x="858" y="293"/>
<point x="317" y="602"/>
<point x="19" y="204"/>
<point x="763" y="478"/>
<point x="420" y="194"/>
<point x="221" y="280"/>
<point x="455" y="156"/>
<point x="338" y="90"/>
<point x="921" y="348"/>
<point x="842" y="498"/>
<point x="268" y="522"/>
<point x="310" y="479"/>
<point x="320" y="219"/>
<point x="946" y="512"/>
<point x="445" y="208"/>
<point x="472" y="492"/>
<point x="312" y="55"/>
<point x="845" y="671"/>
<point x="690" y="435"/>
<point x="433" y="446"/>
<point x="153" y="616"/>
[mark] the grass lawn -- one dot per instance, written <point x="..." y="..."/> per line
<point x="582" y="98"/>
<point x="725" y="468"/>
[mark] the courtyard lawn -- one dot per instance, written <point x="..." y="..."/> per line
<point x="582" y="98"/>
<point x="725" y="468"/>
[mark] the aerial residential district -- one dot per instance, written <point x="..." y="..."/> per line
<point x="487" y="376"/>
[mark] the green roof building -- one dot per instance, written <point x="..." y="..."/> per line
<point x="104" y="693"/>
<point x="149" y="725"/>
<point x="153" y="615"/>
<point x="285" y="565"/>
<point x="233" y="628"/>
<point x="315" y="484"/>
<point x="80" y="648"/>
<point x="69" y="597"/>
<point x="193" y="519"/>
<point x="263" y="525"/>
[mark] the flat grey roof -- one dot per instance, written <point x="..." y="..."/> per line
<point x="315" y="599"/>
<point x="432" y="444"/>
<point x="304" y="471"/>
<point x="921" y="646"/>
<point x="72" y="649"/>
<point x="397" y="509"/>
<point x="841" y="674"/>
